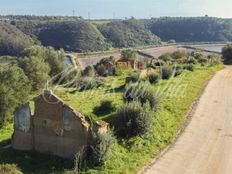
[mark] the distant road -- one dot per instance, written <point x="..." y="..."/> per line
<point x="85" y="60"/>
<point x="205" y="147"/>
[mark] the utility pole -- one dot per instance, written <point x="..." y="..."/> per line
<point x="89" y="15"/>
<point x="73" y="13"/>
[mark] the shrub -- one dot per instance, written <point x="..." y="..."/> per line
<point x="166" y="72"/>
<point x="102" y="71"/>
<point x="132" y="120"/>
<point x="132" y="78"/>
<point x="89" y="83"/>
<point x="189" y="67"/>
<point x="215" y="60"/>
<point x="88" y="71"/>
<point x="105" y="107"/>
<point x="115" y="72"/>
<point x="153" y="78"/>
<point x="179" y="54"/>
<point x="192" y="60"/>
<point x="156" y="63"/>
<point x="166" y="58"/>
<point x="9" y="169"/>
<point x="203" y="60"/>
<point x="227" y="54"/>
<point x="142" y="92"/>
<point x="100" y="148"/>
<point x="178" y="70"/>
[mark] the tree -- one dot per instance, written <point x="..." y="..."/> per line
<point x="14" y="90"/>
<point x="55" y="59"/>
<point x="36" y="69"/>
<point x="227" y="54"/>
<point x="129" y="53"/>
<point x="12" y="40"/>
<point x="78" y="36"/>
<point x="128" y="33"/>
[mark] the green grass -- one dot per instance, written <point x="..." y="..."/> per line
<point x="128" y="155"/>
<point x="168" y="121"/>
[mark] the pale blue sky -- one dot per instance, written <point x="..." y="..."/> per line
<point x="118" y="8"/>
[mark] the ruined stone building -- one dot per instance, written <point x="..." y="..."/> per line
<point x="55" y="128"/>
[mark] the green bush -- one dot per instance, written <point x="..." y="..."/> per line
<point x="203" y="60"/>
<point x="142" y="92"/>
<point x="166" y="58"/>
<point x="189" y="67"/>
<point x="105" y="107"/>
<point x="166" y="72"/>
<point x="89" y="71"/>
<point x="9" y="169"/>
<point x="132" y="120"/>
<point x="179" y="54"/>
<point x="153" y="78"/>
<point x="192" y="60"/>
<point x="132" y="78"/>
<point x="100" y="149"/>
<point x="89" y="83"/>
<point x="178" y="70"/>
<point x="227" y="54"/>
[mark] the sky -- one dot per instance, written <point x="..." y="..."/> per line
<point x="108" y="9"/>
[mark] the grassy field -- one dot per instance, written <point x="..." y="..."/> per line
<point x="128" y="156"/>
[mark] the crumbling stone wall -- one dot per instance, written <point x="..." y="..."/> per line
<point x="55" y="128"/>
<point x="22" y="137"/>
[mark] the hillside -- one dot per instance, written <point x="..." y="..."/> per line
<point x="200" y="29"/>
<point x="77" y="36"/>
<point x="12" y="40"/>
<point x="128" y="33"/>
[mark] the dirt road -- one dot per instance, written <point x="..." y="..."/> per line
<point x="205" y="147"/>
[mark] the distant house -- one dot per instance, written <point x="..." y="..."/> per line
<point x="55" y="128"/>
<point x="127" y="63"/>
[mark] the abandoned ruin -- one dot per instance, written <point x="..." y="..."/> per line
<point x="55" y="128"/>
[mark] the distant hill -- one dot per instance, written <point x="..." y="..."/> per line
<point x="128" y="33"/>
<point x="77" y="34"/>
<point x="198" y="29"/>
<point x="12" y="40"/>
<point x="80" y="36"/>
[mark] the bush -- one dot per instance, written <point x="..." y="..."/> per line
<point x="227" y="54"/>
<point x="132" y="120"/>
<point x="105" y="107"/>
<point x="89" y="83"/>
<point x="88" y="71"/>
<point x="142" y="92"/>
<point x="192" y="60"/>
<point x="178" y="70"/>
<point x="179" y="54"/>
<point x="203" y="60"/>
<point x="100" y="148"/>
<point x="9" y="169"/>
<point x="166" y="58"/>
<point x="166" y="72"/>
<point x="132" y="78"/>
<point x="189" y="67"/>
<point x="153" y="78"/>
<point x="102" y="71"/>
